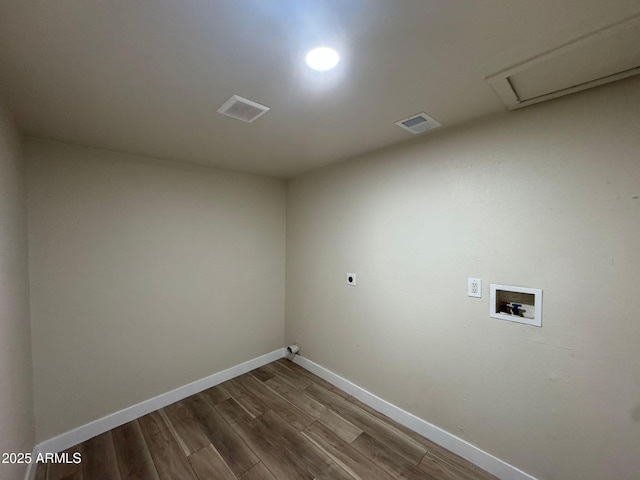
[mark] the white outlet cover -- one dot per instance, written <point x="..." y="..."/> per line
<point x="351" y="279"/>
<point x="474" y="287"/>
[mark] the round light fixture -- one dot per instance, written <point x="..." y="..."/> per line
<point x="322" y="58"/>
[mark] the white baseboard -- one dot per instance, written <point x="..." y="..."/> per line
<point x="457" y="445"/>
<point x="104" y="424"/>
<point x="449" y="441"/>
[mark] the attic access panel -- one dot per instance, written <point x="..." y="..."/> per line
<point x="602" y="57"/>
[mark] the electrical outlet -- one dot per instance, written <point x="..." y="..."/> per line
<point x="475" y="287"/>
<point x="351" y="279"/>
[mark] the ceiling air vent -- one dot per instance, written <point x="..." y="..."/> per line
<point x="418" y="123"/>
<point x="242" y="109"/>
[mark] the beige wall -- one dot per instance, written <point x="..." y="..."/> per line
<point x="16" y="405"/>
<point x="546" y="197"/>
<point x="145" y="276"/>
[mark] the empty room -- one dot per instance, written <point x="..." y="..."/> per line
<point x="320" y="240"/>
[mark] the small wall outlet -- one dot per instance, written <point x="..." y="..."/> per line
<point x="475" y="288"/>
<point x="351" y="279"/>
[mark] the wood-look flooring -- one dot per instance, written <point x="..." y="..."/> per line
<point x="278" y="422"/>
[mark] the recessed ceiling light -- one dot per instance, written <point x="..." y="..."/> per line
<point x="322" y="58"/>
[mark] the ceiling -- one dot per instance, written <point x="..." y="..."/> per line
<point x="147" y="76"/>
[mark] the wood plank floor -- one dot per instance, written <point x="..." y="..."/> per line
<point x="278" y="422"/>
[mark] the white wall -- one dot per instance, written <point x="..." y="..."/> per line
<point x="16" y="405"/>
<point x="145" y="276"/>
<point x="545" y="197"/>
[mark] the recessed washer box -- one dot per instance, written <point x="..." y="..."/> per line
<point x="516" y="304"/>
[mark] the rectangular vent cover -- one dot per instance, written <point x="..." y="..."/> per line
<point x="418" y="123"/>
<point x="243" y="109"/>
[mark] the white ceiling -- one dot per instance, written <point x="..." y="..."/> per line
<point x="147" y="76"/>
